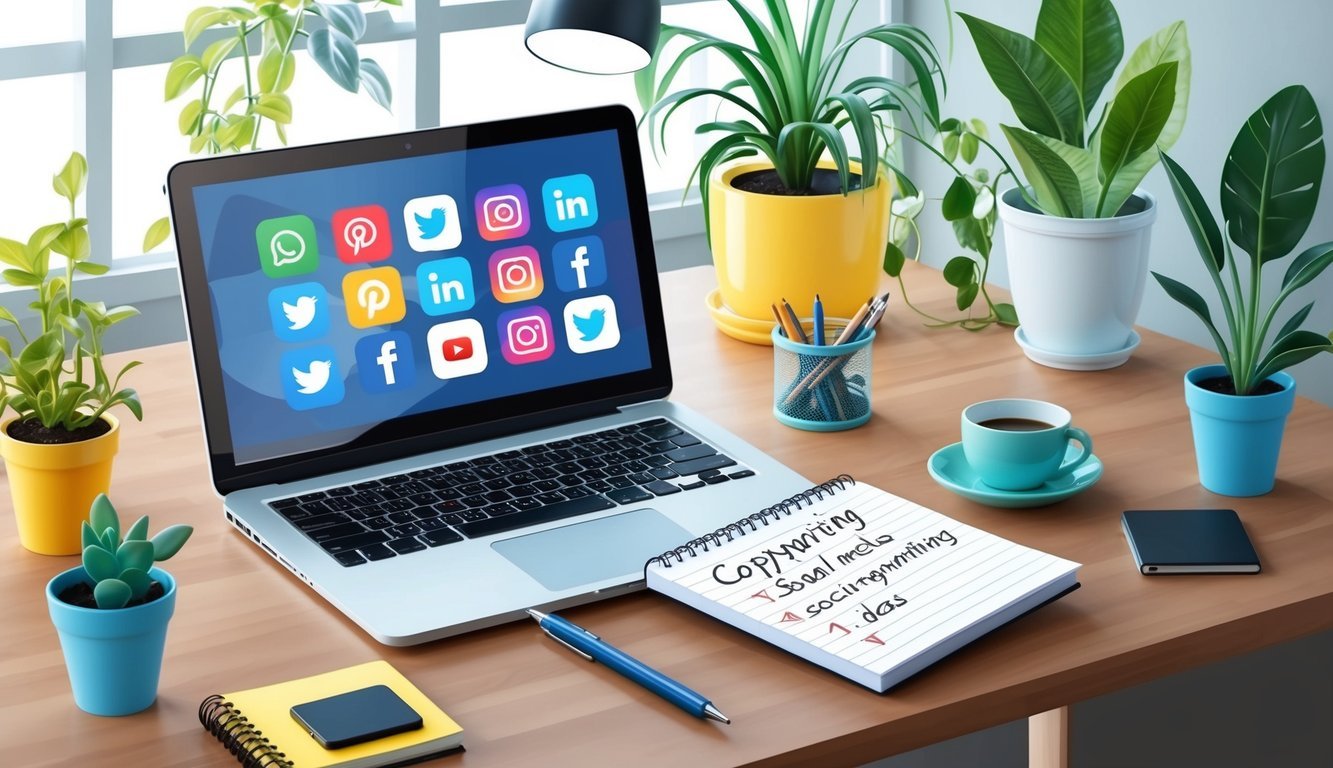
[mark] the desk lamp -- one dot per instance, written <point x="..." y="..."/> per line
<point x="599" y="37"/>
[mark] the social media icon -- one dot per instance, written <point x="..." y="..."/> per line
<point x="525" y="335"/>
<point x="570" y="202"/>
<point x="445" y="285"/>
<point x="373" y="297"/>
<point x="457" y="348"/>
<point x="516" y="274"/>
<point x="502" y="212"/>
<point x="310" y="378"/>
<point x="287" y="246"/>
<point x="299" y="312"/>
<point x="590" y="324"/>
<point x="384" y="362"/>
<point x="579" y="263"/>
<point x="362" y="234"/>
<point x="432" y="223"/>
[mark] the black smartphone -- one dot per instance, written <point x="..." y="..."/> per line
<point x="356" y="716"/>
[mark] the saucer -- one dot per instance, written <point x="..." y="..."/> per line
<point x="950" y="469"/>
<point x="1098" y="362"/>
<point x="738" y="326"/>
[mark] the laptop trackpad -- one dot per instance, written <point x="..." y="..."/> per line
<point x="585" y="553"/>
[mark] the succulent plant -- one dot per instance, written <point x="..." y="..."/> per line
<point x="119" y="567"/>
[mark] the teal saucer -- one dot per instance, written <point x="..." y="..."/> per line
<point x="950" y="469"/>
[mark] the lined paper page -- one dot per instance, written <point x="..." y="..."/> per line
<point x="871" y="578"/>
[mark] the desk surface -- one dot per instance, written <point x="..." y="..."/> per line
<point x="242" y="621"/>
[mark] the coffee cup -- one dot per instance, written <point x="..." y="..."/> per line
<point x="1017" y="445"/>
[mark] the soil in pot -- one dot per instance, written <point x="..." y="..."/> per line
<point x="32" y="431"/>
<point x="767" y="182"/>
<point x="1223" y="385"/>
<point x="81" y="595"/>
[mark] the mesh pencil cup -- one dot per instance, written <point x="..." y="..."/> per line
<point x="821" y="389"/>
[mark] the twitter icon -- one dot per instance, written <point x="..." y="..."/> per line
<point x="299" y="312"/>
<point x="590" y="324"/>
<point x="432" y="223"/>
<point x="310" y="378"/>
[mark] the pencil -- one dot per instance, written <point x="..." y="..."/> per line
<point x="795" y="322"/>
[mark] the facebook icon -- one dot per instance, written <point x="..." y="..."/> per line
<point x="579" y="263"/>
<point x="384" y="362"/>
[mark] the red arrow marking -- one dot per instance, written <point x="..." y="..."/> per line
<point x="789" y="616"/>
<point x="872" y="639"/>
<point x="835" y="625"/>
<point x="763" y="593"/>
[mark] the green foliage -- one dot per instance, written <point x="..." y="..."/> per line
<point x="57" y="376"/>
<point x="119" y="571"/>
<point x="1270" y="187"/>
<point x="787" y="102"/>
<point x="1053" y="82"/>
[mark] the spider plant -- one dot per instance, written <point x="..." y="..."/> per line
<point x="790" y="100"/>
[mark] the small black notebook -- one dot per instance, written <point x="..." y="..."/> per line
<point x="1189" y="541"/>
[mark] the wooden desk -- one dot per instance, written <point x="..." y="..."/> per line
<point x="242" y="621"/>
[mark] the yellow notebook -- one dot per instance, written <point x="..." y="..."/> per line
<point x="257" y="725"/>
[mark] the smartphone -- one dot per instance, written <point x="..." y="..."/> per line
<point x="356" y="717"/>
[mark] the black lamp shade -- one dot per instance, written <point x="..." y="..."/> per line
<point x="601" y="37"/>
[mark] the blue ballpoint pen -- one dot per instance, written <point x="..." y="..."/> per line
<point x="819" y="321"/>
<point x="593" y="648"/>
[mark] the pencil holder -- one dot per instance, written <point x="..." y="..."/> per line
<point x="821" y="388"/>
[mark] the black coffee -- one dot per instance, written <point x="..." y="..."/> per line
<point x="1013" y="424"/>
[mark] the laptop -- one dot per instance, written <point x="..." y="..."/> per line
<point x="433" y="371"/>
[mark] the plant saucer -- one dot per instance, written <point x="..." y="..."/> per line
<point x="949" y="467"/>
<point x="738" y="326"/>
<point x="1095" y="362"/>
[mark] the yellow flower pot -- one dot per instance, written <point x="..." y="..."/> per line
<point x="52" y="486"/>
<point x="768" y="247"/>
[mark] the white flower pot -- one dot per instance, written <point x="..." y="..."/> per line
<point x="1077" y="283"/>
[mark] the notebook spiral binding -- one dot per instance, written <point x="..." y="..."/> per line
<point x="247" y="743"/>
<point x="752" y="522"/>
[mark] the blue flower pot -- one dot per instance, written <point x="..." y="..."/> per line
<point x="113" y="657"/>
<point x="1237" y="438"/>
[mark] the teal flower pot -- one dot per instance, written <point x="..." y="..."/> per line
<point x="113" y="657"/>
<point x="1237" y="438"/>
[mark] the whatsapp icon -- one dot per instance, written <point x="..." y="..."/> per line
<point x="287" y="246"/>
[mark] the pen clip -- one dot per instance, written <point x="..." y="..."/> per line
<point x="567" y="645"/>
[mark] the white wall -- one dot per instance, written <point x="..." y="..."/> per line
<point x="1242" y="53"/>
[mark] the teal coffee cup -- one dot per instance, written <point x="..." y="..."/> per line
<point x="1017" y="445"/>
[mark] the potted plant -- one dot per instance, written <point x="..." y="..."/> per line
<point x="1270" y="186"/>
<point x="809" y="214"/>
<point x="59" y="445"/>
<point x="1077" y="233"/>
<point x="111" y="612"/>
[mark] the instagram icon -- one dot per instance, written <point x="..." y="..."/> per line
<point x="516" y="274"/>
<point x="525" y="335"/>
<point x="502" y="212"/>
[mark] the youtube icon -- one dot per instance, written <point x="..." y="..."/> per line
<point x="456" y="348"/>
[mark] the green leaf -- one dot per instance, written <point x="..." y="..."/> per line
<point x="201" y="19"/>
<point x="344" y="17"/>
<point x="102" y="514"/>
<point x="336" y="54"/>
<point x="99" y="563"/>
<point x="276" y="73"/>
<point x="92" y="268"/>
<point x="1007" y="314"/>
<point x="966" y="295"/>
<point x="217" y="51"/>
<point x="967" y="148"/>
<point x="14" y="253"/>
<point x="138" y="581"/>
<point x="950" y="146"/>
<point x="87" y="537"/>
<point x="70" y="181"/>
<point x="182" y="74"/>
<point x="958" y="200"/>
<point x="112" y="593"/>
<point x="970" y="234"/>
<point x="235" y="97"/>
<point x="1041" y="94"/>
<point x="135" y="554"/>
<point x="239" y="131"/>
<point x="1170" y="43"/>
<point x="157" y="233"/>
<point x="376" y="83"/>
<point x="1288" y="350"/>
<point x="1307" y="266"/>
<point x="138" y="531"/>
<point x="894" y="259"/>
<point x="1084" y="38"/>
<point x="73" y="244"/>
<point x="188" y="121"/>
<point x="20" y="278"/>
<point x="169" y="541"/>
<point x="1294" y="322"/>
<point x="1135" y="121"/>
<point x="1202" y="226"/>
<point x="1054" y="182"/>
<point x="1192" y="301"/>
<point x="960" y="271"/>
<point x="276" y="107"/>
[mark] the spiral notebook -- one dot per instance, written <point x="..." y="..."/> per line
<point x="257" y="726"/>
<point x="857" y="580"/>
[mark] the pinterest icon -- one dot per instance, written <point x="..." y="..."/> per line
<point x="362" y="234"/>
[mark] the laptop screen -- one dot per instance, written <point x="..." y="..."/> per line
<point x="351" y="295"/>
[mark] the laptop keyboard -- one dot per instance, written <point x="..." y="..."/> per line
<point x="506" y="491"/>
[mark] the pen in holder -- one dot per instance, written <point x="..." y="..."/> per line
<point x="822" y="388"/>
